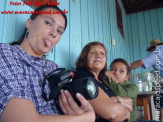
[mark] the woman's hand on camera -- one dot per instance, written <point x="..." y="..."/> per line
<point x="70" y="107"/>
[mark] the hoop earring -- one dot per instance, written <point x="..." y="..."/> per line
<point x="52" y="50"/>
<point x="26" y="34"/>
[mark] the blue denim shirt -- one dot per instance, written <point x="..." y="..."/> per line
<point x="155" y="60"/>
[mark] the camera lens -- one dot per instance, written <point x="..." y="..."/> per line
<point x="91" y="88"/>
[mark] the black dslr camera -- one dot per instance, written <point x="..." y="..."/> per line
<point x="63" y="79"/>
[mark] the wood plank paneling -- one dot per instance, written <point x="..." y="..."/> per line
<point x="141" y="33"/>
<point x="108" y="41"/>
<point x="105" y="26"/>
<point x="62" y="49"/>
<point x="142" y="28"/>
<point x="95" y="16"/>
<point x="84" y="22"/>
<point x="160" y="22"/>
<point x="93" y="20"/>
<point x="12" y="25"/>
<point x="148" y="28"/>
<point x="154" y="23"/>
<point x="2" y="16"/>
<point x="90" y="15"/>
<point x="75" y="32"/>
<point x="99" y="19"/>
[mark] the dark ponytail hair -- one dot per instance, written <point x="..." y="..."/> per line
<point x="33" y="16"/>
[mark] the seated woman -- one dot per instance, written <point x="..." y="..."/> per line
<point x="120" y="71"/>
<point x="92" y="60"/>
<point x="22" y="72"/>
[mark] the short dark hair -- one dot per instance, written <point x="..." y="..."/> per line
<point x="122" y="61"/>
<point x="33" y="16"/>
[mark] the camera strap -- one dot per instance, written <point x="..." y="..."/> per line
<point x="53" y="94"/>
<point x="55" y="91"/>
<point x="43" y="92"/>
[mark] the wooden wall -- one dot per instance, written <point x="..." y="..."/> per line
<point x="142" y="28"/>
<point x="91" y="20"/>
<point x="12" y="25"/>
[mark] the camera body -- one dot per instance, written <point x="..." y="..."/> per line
<point x="63" y="79"/>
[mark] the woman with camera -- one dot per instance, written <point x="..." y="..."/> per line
<point x="22" y="73"/>
<point x="92" y="63"/>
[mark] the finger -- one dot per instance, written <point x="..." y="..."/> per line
<point x="65" y="102"/>
<point x="110" y="79"/>
<point x="114" y="78"/>
<point x="61" y="106"/>
<point x="73" y="105"/>
<point x="85" y="105"/>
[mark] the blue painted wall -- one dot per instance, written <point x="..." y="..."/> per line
<point x="91" y="20"/>
<point x="12" y="25"/>
<point x="142" y="28"/>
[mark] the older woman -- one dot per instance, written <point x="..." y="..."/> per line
<point x="92" y="63"/>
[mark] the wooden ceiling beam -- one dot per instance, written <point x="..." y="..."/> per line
<point x="141" y="5"/>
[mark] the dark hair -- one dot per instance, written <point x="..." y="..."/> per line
<point x="122" y="61"/>
<point x="33" y="16"/>
<point x="82" y="59"/>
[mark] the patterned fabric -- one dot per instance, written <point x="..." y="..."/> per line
<point x="21" y="76"/>
<point x="155" y="60"/>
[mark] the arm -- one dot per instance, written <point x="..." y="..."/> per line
<point x="137" y="64"/>
<point x="110" y="76"/>
<point x="16" y="98"/>
<point x="69" y="106"/>
<point x="126" y="102"/>
<point x="107" y="109"/>
<point x="22" y="110"/>
<point x="127" y="89"/>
